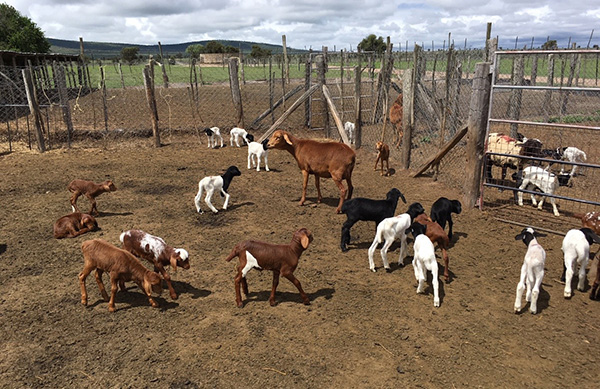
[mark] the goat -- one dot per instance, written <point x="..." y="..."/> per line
<point x="350" y="129"/>
<point x="595" y="292"/>
<point x="572" y="154"/>
<point x="436" y="234"/>
<point x="322" y="159"/>
<point x="211" y="184"/>
<point x="281" y="259"/>
<point x="74" y="224"/>
<point x="90" y="190"/>
<point x="391" y="229"/>
<point x="576" y="249"/>
<point x="257" y="150"/>
<point x="121" y="265"/>
<point x="424" y="260"/>
<point x="500" y="143"/>
<point x="383" y="155"/>
<point x="368" y="210"/>
<point x="590" y="220"/>
<point x="236" y="133"/>
<point x="535" y="177"/>
<point x="156" y="251"/>
<point x="396" y="118"/>
<point x="441" y="212"/>
<point x="532" y="271"/>
<point x="212" y="134"/>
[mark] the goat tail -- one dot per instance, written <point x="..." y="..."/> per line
<point x="578" y="215"/>
<point x="234" y="253"/>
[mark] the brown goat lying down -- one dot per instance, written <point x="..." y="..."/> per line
<point x="322" y="159"/>
<point x="121" y="265"/>
<point x="73" y="225"/>
<point x="90" y="190"/>
<point x="281" y="259"/>
<point x="436" y="234"/>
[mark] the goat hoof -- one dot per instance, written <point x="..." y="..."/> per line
<point x="273" y="303"/>
<point x="307" y="302"/>
<point x="174" y="296"/>
<point x="240" y="305"/>
<point x="388" y="270"/>
<point x="344" y="249"/>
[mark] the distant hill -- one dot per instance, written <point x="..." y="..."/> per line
<point x="105" y="50"/>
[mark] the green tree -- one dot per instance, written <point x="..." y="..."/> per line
<point x="194" y="51"/>
<point x="550" y="45"/>
<point x="372" y="43"/>
<point x="214" y="47"/>
<point x="130" y="54"/>
<point x="259" y="52"/>
<point x="231" y="49"/>
<point x="19" y="33"/>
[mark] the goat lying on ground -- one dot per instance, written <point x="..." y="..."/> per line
<point x="368" y="210"/>
<point x="576" y="250"/>
<point x="256" y="151"/>
<point x="237" y="133"/>
<point x="74" y="224"/>
<point x="281" y="259"/>
<point x="212" y="134"/>
<point x="220" y="184"/>
<point x="157" y="252"/>
<point x="391" y="229"/>
<point x="442" y="210"/>
<point x="535" y="177"/>
<point x="122" y="267"/>
<point x="436" y="234"/>
<point x="322" y="159"/>
<point x="532" y="271"/>
<point x="424" y="260"/>
<point x="383" y="155"/>
<point x="349" y="128"/>
<point x="90" y="190"/>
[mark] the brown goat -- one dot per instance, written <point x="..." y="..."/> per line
<point x="383" y="154"/>
<point x="281" y="259"/>
<point x="323" y="159"/>
<point x="396" y="118"/>
<point x="91" y="190"/>
<point x="436" y="234"/>
<point x="157" y="252"/>
<point x="591" y="220"/>
<point x="73" y="225"/>
<point x="121" y="265"/>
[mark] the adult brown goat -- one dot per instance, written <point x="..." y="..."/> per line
<point x="322" y="159"/>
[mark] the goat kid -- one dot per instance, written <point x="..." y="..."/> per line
<point x="157" y="252"/>
<point x="122" y="266"/>
<point x="220" y="184"/>
<point x="212" y="134"/>
<point x="383" y="155"/>
<point x="74" y="224"/>
<point x="442" y="210"/>
<point x="424" y="260"/>
<point x="281" y="259"/>
<point x="576" y="249"/>
<point x="436" y="234"/>
<point x="235" y="134"/>
<point x="535" y="177"/>
<point x="532" y="271"/>
<point x="90" y="190"/>
<point x="350" y="129"/>
<point x="256" y="151"/>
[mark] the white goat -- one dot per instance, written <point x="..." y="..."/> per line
<point x="573" y="154"/>
<point x="236" y="133"/>
<point x="576" y="250"/>
<point x="257" y="150"/>
<point x="532" y="271"/>
<point x="349" y="128"/>
<point x="212" y="134"/>
<point x="547" y="182"/>
<point x="211" y="184"/>
<point x="424" y="260"/>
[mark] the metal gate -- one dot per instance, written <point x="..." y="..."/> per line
<point x="544" y="118"/>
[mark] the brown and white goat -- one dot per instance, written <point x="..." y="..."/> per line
<point x="383" y="155"/>
<point x="90" y="190"/>
<point x="157" y="252"/>
<point x="282" y="259"/>
<point x="436" y="234"/>
<point x="74" y="224"/>
<point x="121" y="265"/>
<point x="322" y="159"/>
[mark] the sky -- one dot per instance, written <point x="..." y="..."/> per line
<point x="337" y="24"/>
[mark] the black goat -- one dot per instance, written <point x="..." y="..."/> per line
<point x="359" y="208"/>
<point x="441" y="212"/>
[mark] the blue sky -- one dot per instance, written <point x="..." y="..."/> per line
<point x="316" y="23"/>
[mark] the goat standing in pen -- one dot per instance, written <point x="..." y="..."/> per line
<point x="220" y="184"/>
<point x="90" y="190"/>
<point x="532" y="271"/>
<point x="383" y="155"/>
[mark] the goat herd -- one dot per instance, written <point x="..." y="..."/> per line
<point x="321" y="159"/>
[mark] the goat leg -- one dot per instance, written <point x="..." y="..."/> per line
<point x="74" y="198"/>
<point x="113" y="293"/>
<point x="343" y="192"/>
<point x="82" y="276"/>
<point x="304" y="184"/>
<point x="238" y="294"/>
<point x="101" y="284"/>
<point x="294" y="280"/>
<point x="275" y="283"/>
<point x="318" y="185"/>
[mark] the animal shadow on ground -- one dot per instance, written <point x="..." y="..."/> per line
<point x="135" y="299"/>
<point x="543" y="301"/>
<point x="184" y="287"/>
<point x="390" y="172"/>
<point x="3" y="248"/>
<point x="102" y="214"/>
<point x="235" y="206"/>
<point x="281" y="297"/>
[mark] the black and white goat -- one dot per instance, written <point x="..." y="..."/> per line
<point x="220" y="184"/>
<point x="212" y="134"/>
<point x="360" y="208"/>
<point x="576" y="250"/>
<point x="532" y="271"/>
<point x="256" y="151"/>
<point x="235" y="134"/>
<point x="441" y="212"/>
<point x="536" y="177"/>
<point x="424" y="260"/>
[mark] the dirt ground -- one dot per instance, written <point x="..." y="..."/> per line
<point x="362" y="329"/>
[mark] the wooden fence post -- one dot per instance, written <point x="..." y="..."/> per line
<point x="286" y="61"/>
<point x="477" y="124"/>
<point x="234" y="84"/>
<point x="548" y="95"/>
<point x="410" y="82"/>
<point x="151" y="104"/>
<point x="336" y="116"/>
<point x="514" y="105"/>
<point x="357" y="104"/>
<point x="321" y="74"/>
<point x="163" y="66"/>
<point x="61" y="83"/>
<point x="307" y="81"/>
<point x="104" y="100"/>
<point x="34" y="108"/>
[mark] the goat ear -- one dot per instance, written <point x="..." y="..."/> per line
<point x="519" y="237"/>
<point x="305" y="241"/>
<point x="174" y="263"/>
<point x="287" y="138"/>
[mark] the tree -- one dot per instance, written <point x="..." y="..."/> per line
<point x="214" y="47"/>
<point x="259" y="52"/>
<point x="194" y="51"/>
<point x="129" y="54"/>
<point x="19" y="33"/>
<point x="550" y="45"/>
<point x="372" y="43"/>
<point x="231" y="49"/>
